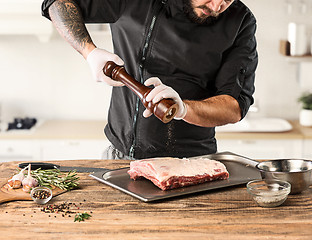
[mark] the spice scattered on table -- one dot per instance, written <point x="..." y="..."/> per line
<point x="66" y="209"/>
<point x="60" y="208"/>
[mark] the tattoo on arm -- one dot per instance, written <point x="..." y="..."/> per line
<point x="67" y="19"/>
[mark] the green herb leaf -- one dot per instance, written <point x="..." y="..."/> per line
<point x="81" y="216"/>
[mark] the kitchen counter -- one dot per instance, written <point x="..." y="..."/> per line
<point x="305" y="131"/>
<point x="297" y="132"/>
<point x="94" y="129"/>
<point x="60" y="129"/>
<point x="220" y="214"/>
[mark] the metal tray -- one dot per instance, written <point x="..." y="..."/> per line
<point x="241" y="170"/>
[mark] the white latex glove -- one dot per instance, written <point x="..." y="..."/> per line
<point x="97" y="59"/>
<point x="160" y="92"/>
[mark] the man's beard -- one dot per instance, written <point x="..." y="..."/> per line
<point x="189" y="11"/>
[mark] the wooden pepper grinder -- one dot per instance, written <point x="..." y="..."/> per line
<point x="165" y="109"/>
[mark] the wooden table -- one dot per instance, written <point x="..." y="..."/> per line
<point x="223" y="214"/>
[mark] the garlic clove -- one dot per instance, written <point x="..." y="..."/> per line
<point x="29" y="182"/>
<point x="19" y="180"/>
<point x="26" y="188"/>
<point x="14" y="183"/>
<point x="16" y="180"/>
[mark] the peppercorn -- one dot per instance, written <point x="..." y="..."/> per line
<point x="63" y="208"/>
<point x="41" y="194"/>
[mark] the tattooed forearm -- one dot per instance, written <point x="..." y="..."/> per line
<point x="67" y="19"/>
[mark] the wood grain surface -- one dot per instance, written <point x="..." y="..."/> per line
<point x="8" y="194"/>
<point x="220" y="214"/>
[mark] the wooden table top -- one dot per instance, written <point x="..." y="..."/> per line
<point x="220" y="214"/>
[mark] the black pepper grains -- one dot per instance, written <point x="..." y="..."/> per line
<point x="64" y="209"/>
<point x="41" y="194"/>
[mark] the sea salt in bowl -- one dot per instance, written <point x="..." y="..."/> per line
<point x="269" y="193"/>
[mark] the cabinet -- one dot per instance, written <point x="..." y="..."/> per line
<point x="263" y="148"/>
<point x="16" y="150"/>
<point x="55" y="140"/>
<point x="48" y="150"/>
<point x="307" y="149"/>
<point x="23" y="17"/>
<point x="72" y="149"/>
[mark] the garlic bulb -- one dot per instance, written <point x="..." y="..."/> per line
<point x="29" y="182"/>
<point x="16" y="180"/>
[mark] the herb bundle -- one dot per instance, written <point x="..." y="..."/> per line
<point x="54" y="177"/>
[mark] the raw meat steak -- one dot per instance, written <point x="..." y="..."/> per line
<point x="169" y="173"/>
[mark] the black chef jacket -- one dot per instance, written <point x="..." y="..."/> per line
<point x="155" y="38"/>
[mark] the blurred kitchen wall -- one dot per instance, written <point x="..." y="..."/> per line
<point x="278" y="82"/>
<point x="49" y="80"/>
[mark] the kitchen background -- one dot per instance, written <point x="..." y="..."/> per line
<point x="41" y="76"/>
<point x="48" y="79"/>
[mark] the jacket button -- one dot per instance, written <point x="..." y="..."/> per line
<point x="242" y="71"/>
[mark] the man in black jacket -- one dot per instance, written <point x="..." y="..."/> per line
<point x="201" y="53"/>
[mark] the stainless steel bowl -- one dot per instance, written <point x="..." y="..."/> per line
<point x="297" y="172"/>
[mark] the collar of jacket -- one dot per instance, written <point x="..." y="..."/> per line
<point x="173" y="7"/>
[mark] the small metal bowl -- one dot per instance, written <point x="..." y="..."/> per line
<point x="41" y="195"/>
<point x="297" y="172"/>
<point x="268" y="193"/>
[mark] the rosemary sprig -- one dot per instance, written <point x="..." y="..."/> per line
<point x="81" y="216"/>
<point x="54" y="177"/>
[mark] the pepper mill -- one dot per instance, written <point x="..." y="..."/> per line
<point x="165" y="109"/>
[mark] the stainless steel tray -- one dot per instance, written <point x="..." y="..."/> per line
<point x="241" y="170"/>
